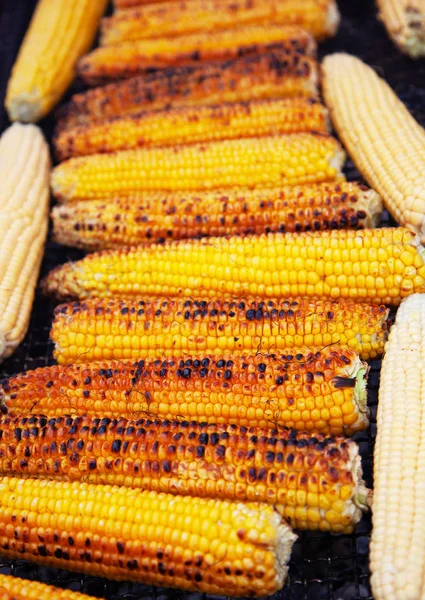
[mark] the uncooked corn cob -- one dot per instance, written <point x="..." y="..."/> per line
<point x="271" y="75"/>
<point x="307" y="389"/>
<point x="290" y="159"/>
<point x="397" y="557"/>
<point x="119" y="329"/>
<point x="184" y="125"/>
<point x="319" y="17"/>
<point x="15" y="588"/>
<point x="314" y="482"/>
<point x="60" y="32"/>
<point x="405" y="23"/>
<point x="195" y="544"/>
<point x="381" y="266"/>
<point x="155" y="217"/>
<point x="132" y="58"/>
<point x="371" y="121"/>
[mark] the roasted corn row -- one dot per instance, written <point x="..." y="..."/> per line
<point x="370" y="119"/>
<point x="275" y="74"/>
<point x="319" y="17"/>
<point x="197" y="544"/>
<point x="14" y="588"/>
<point x="314" y="482"/>
<point x="184" y="125"/>
<point x="405" y="23"/>
<point x="321" y="390"/>
<point x="117" y="329"/>
<point x="60" y="32"/>
<point x="373" y="265"/>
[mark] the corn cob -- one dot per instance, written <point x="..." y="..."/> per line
<point x="198" y="544"/>
<point x="291" y="159"/>
<point x="117" y="329"/>
<point x="14" y="588"/>
<point x="314" y="482"/>
<point x="120" y="4"/>
<point x="381" y="266"/>
<point x="370" y="123"/>
<point x="319" y="17"/>
<point x="397" y="551"/>
<point x="272" y="75"/>
<point x="321" y="390"/>
<point x="405" y="23"/>
<point x="191" y="124"/>
<point x="101" y="224"/>
<point x="24" y="206"/>
<point x="132" y="58"/>
<point x="60" y="32"/>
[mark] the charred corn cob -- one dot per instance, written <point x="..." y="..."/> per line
<point x="275" y="74"/>
<point x="24" y="205"/>
<point x="321" y="390"/>
<point x="191" y="124"/>
<point x="131" y="58"/>
<point x="14" y="588"/>
<point x="405" y="23"/>
<point x="106" y="329"/>
<point x="320" y="17"/>
<point x="313" y="481"/>
<point x="198" y="544"/>
<point x="101" y="224"/>
<point x="373" y="265"/>
<point x="290" y="159"/>
<point x="397" y="551"/>
<point x="371" y="122"/>
<point x="60" y="32"/>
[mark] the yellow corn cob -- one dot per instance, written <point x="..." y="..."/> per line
<point x="313" y="481"/>
<point x="106" y="329"/>
<point x="319" y="17"/>
<point x="101" y="224"/>
<point x="370" y="123"/>
<point x="397" y="551"/>
<point x="290" y="159"/>
<point x="194" y="124"/>
<point x="372" y="265"/>
<point x="24" y="205"/>
<point x="198" y="544"/>
<point x="405" y="23"/>
<point x="131" y="58"/>
<point x="307" y="390"/>
<point x="59" y="33"/>
<point x="14" y="588"/>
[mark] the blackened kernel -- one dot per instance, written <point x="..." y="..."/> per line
<point x="200" y="451"/>
<point x="87" y="381"/>
<point x="203" y="438"/>
<point x="49" y="384"/>
<point x="270" y="457"/>
<point x="220" y="451"/>
<point x="214" y="438"/>
<point x="262" y="367"/>
<point x="92" y="464"/>
<point x="221" y="364"/>
<point x="116" y="446"/>
<point x="42" y="550"/>
<point x="279" y="380"/>
<point x="86" y="393"/>
<point x="227" y="374"/>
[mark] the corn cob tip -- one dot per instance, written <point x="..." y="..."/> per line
<point x="375" y="205"/>
<point x="53" y="282"/>
<point x="405" y="24"/>
<point x="25" y="107"/>
<point x="333" y="19"/>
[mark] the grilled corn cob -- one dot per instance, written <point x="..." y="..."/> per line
<point x="59" y="33"/>
<point x="373" y="265"/>
<point x="321" y="390"/>
<point x="14" y="588"/>
<point x="371" y="122"/>
<point x="319" y="17"/>
<point x="131" y="58"/>
<point x="405" y="23"/>
<point x="397" y="551"/>
<point x="101" y="224"/>
<point x="105" y="329"/>
<point x="290" y="159"/>
<point x="24" y="205"/>
<point x="191" y="124"/>
<point x="197" y="544"/>
<point x="313" y="481"/>
<point x="275" y="74"/>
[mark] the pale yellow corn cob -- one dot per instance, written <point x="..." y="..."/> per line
<point x="405" y="23"/>
<point x="15" y="588"/>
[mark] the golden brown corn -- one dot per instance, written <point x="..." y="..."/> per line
<point x="319" y="17"/>
<point x="405" y="23"/>
<point x="14" y="588"/>
<point x="132" y="58"/>
<point x="313" y="481"/>
<point x="384" y="140"/>
<point x="107" y="329"/>
<point x="373" y="265"/>
<point x="307" y="389"/>
<point x="149" y="218"/>
<point x="197" y="544"/>
<point x="191" y="124"/>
